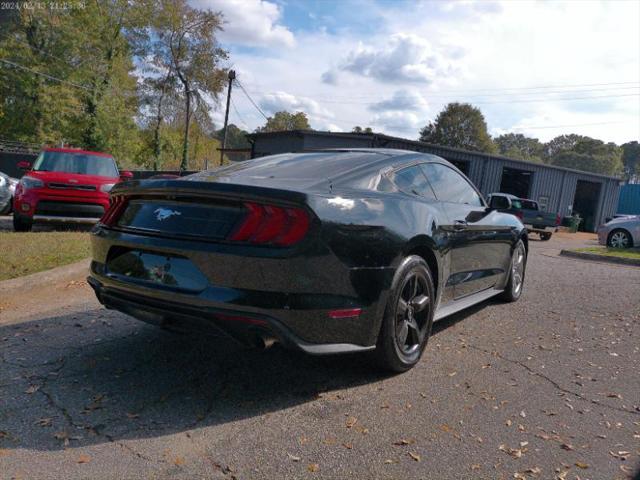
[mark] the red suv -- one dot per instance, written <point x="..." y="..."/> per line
<point x="65" y="185"/>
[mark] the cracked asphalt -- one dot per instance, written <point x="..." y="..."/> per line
<point x="548" y="387"/>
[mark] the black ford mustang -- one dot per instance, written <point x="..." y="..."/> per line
<point x="331" y="251"/>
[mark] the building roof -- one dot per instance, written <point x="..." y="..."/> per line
<point x="452" y="150"/>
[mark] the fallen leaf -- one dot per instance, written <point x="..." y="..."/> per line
<point x="566" y="446"/>
<point x="403" y="442"/>
<point x="313" y="467"/>
<point x="582" y="465"/>
<point x="388" y="461"/>
<point x="614" y="395"/>
<point x="523" y="414"/>
<point x="44" y="422"/>
<point x="524" y="444"/>
<point x="351" y="421"/>
<point x="348" y="446"/>
<point x="453" y="374"/>
<point x="133" y="415"/>
<point x="415" y="456"/>
<point x="32" y="389"/>
<point x="508" y="422"/>
<point x="475" y="466"/>
<point x="533" y="470"/>
<point x="294" y="457"/>
<point x="84" y="459"/>
<point x="179" y="461"/>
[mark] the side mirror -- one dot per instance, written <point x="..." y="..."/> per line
<point x="24" y="165"/>
<point x="126" y="175"/>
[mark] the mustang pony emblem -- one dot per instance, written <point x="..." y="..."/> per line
<point x="164" y="213"/>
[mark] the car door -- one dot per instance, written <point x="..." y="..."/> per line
<point x="479" y="245"/>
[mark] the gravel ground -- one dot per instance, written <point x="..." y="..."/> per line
<point x="548" y="387"/>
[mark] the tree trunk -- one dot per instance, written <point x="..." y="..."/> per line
<point x="185" y="145"/>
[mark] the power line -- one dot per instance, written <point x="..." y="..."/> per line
<point x="238" y="114"/>
<point x="251" y="99"/>
<point x="45" y="75"/>
<point x="497" y="89"/>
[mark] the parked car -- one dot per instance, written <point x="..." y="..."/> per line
<point x="326" y="252"/>
<point x="623" y="232"/>
<point x="65" y="185"/>
<point x="7" y="191"/>
<point x="528" y="211"/>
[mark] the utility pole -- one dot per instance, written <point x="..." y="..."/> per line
<point x="232" y="77"/>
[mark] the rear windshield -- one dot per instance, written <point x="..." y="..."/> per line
<point x="71" y="162"/>
<point x="515" y="203"/>
<point x="529" y="204"/>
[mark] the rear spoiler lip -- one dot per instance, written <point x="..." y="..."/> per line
<point x="209" y="189"/>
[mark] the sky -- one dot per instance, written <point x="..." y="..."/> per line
<point x="543" y="68"/>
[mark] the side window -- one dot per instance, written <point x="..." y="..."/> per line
<point x="499" y="202"/>
<point x="450" y="186"/>
<point x="412" y="180"/>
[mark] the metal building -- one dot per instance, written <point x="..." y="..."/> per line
<point x="560" y="190"/>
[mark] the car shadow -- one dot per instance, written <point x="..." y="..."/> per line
<point x="99" y="376"/>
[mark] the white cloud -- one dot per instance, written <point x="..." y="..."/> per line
<point x="251" y="22"/>
<point x="405" y="57"/>
<point x="319" y="117"/>
<point x="400" y="123"/>
<point x="401" y="100"/>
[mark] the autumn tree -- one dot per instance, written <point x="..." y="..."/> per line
<point x="459" y="125"/>
<point x="184" y="42"/>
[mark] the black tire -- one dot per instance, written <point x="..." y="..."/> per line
<point x="21" y="224"/>
<point x="515" y="285"/>
<point x="409" y="314"/>
<point x="619" y="238"/>
<point x="545" y="236"/>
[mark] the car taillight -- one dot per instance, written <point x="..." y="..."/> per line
<point x="520" y="214"/>
<point x="269" y="224"/>
<point x="116" y="207"/>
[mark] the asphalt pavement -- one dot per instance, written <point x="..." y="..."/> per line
<point x="547" y="387"/>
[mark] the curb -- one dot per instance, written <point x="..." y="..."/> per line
<point x="600" y="258"/>
<point x="65" y="272"/>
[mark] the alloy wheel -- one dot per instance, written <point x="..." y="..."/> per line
<point x="517" y="269"/>
<point x="619" y="240"/>
<point x="412" y="313"/>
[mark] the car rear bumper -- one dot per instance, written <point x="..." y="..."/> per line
<point x="44" y="207"/>
<point x="290" y="299"/>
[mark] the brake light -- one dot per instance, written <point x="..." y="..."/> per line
<point x="116" y="207"/>
<point x="269" y="224"/>
<point x="520" y="214"/>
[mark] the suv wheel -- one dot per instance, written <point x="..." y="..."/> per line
<point x="408" y="316"/>
<point x="21" y="224"/>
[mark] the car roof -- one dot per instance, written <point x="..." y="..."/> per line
<point x="76" y="150"/>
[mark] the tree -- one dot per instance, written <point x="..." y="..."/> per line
<point x="516" y="145"/>
<point x="591" y="155"/>
<point x="459" y="125"/>
<point x="358" y="129"/>
<point x="559" y="144"/>
<point x="183" y="41"/>
<point x="283" y="121"/>
<point x="631" y="160"/>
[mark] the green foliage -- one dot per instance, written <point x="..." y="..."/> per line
<point x="631" y="159"/>
<point x="282" y="121"/>
<point x="516" y="145"/>
<point x="358" y="129"/>
<point x="591" y="155"/>
<point x="459" y="125"/>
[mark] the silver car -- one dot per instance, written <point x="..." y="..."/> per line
<point x="623" y="232"/>
<point x="7" y="190"/>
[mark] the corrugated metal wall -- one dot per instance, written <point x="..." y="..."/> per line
<point x="629" y="200"/>
<point x="485" y="171"/>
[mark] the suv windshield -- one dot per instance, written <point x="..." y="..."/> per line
<point x="71" y="162"/>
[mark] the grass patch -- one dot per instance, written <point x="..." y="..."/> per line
<point x="25" y="253"/>
<point x="612" y="252"/>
